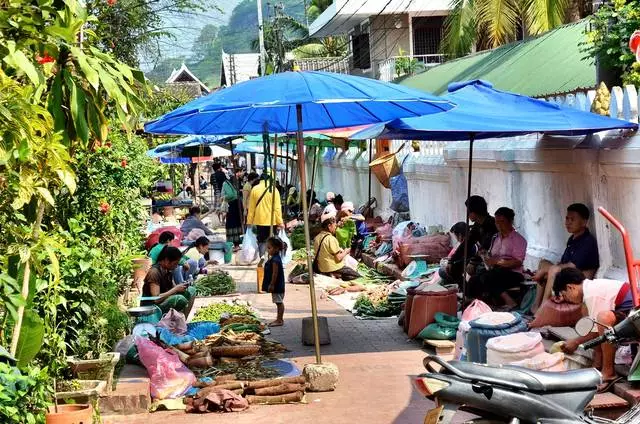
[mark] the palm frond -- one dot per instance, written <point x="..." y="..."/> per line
<point x="500" y="18"/>
<point x="543" y="15"/>
<point x="459" y="29"/>
<point x="308" y="51"/>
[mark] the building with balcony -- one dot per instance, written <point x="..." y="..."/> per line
<point x="386" y="38"/>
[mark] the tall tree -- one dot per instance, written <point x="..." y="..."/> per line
<point x="491" y="23"/>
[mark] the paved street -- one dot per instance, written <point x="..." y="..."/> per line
<point x="375" y="359"/>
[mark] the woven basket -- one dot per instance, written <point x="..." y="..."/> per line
<point x="384" y="168"/>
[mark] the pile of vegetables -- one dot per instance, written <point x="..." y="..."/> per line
<point x="366" y="307"/>
<point x="300" y="255"/>
<point x="215" y="284"/>
<point x="371" y="276"/>
<point x="297" y="238"/>
<point x="215" y="311"/>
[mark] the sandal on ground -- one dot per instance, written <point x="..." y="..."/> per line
<point x="276" y="324"/>
<point x="608" y="385"/>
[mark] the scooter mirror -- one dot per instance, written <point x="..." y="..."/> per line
<point x="584" y="326"/>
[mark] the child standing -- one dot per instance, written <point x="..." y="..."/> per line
<point x="273" y="281"/>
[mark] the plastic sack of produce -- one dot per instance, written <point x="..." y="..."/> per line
<point x="488" y="326"/>
<point x="557" y="315"/>
<point x="552" y="362"/>
<point x="169" y="377"/>
<point x="249" y="247"/>
<point x="513" y="347"/>
<point x="460" y="352"/>
<point x="475" y="309"/>
<point x="174" y="321"/>
<point x="282" y="235"/>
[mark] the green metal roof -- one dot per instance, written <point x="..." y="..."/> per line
<point x="551" y="63"/>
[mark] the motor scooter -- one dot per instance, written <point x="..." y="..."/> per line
<point x="516" y="395"/>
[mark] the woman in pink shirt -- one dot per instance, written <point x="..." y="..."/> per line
<point x="504" y="262"/>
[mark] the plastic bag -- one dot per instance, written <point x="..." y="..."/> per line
<point x="474" y="310"/>
<point x="517" y="342"/>
<point x="174" y="321"/>
<point x="288" y="255"/>
<point x="169" y="377"/>
<point x="437" y="331"/>
<point x="249" y="247"/>
<point x="399" y="193"/>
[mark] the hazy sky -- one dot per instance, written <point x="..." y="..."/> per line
<point x="187" y="29"/>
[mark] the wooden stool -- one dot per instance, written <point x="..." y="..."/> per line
<point x="444" y="348"/>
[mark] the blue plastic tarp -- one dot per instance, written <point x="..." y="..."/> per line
<point x="329" y="100"/>
<point x="488" y="113"/>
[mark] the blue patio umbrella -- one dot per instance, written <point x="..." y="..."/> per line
<point x="484" y="112"/>
<point x="295" y="102"/>
<point x="195" y="140"/>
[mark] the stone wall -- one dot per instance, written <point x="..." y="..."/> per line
<point x="538" y="176"/>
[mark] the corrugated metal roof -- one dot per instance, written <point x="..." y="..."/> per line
<point x="551" y="63"/>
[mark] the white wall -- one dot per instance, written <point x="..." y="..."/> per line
<point x="536" y="176"/>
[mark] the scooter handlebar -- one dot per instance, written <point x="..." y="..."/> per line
<point x="593" y="342"/>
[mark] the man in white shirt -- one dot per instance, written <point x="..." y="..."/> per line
<point x="607" y="302"/>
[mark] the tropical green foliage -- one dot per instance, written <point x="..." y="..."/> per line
<point x="70" y="182"/>
<point x="24" y="396"/>
<point x="608" y="38"/>
<point x="491" y="23"/>
<point x="325" y="47"/>
<point x="316" y="7"/>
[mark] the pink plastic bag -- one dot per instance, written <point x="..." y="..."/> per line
<point x="474" y="310"/>
<point x="169" y="377"/>
<point x="174" y="321"/>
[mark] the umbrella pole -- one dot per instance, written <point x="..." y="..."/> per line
<point x="370" y="158"/>
<point x="313" y="169"/>
<point x="273" y="184"/>
<point x="286" y="182"/>
<point x="466" y="237"/>
<point x="307" y="236"/>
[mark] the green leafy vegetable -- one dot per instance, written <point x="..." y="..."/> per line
<point x="215" y="311"/>
<point x="215" y="284"/>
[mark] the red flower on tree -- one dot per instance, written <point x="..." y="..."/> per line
<point x="634" y="44"/>
<point x="44" y="59"/>
<point x="105" y="208"/>
<point x="111" y="2"/>
<point x="123" y="163"/>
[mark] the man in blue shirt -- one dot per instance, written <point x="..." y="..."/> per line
<point x="581" y="253"/>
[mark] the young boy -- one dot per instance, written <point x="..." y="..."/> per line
<point x="606" y="301"/>
<point x="273" y="281"/>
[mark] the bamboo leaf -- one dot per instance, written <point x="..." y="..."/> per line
<point x="30" y="338"/>
<point x="17" y="59"/>
<point x="68" y="179"/>
<point x="78" y="101"/>
<point x="89" y="72"/>
<point x="46" y="195"/>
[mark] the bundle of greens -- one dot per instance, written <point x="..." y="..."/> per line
<point x="371" y="276"/>
<point x="365" y="307"/>
<point x="214" y="312"/>
<point x="215" y="284"/>
<point x="297" y="238"/>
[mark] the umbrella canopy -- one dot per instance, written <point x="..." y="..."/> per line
<point x="196" y="140"/>
<point x="190" y="154"/>
<point x="488" y="113"/>
<point x="295" y="102"/>
<point x="329" y="100"/>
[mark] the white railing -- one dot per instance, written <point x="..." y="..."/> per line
<point x="340" y="65"/>
<point x="387" y="68"/>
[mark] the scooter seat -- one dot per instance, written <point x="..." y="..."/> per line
<point x="539" y="381"/>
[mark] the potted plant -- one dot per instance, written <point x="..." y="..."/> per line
<point x="101" y="368"/>
<point x="80" y="391"/>
<point x="70" y="414"/>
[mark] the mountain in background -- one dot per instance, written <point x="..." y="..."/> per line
<point x="205" y="57"/>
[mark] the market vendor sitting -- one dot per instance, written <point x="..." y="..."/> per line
<point x="193" y="221"/>
<point x="453" y="271"/>
<point x="159" y="283"/>
<point x="197" y="252"/>
<point x="608" y="302"/>
<point x="185" y="268"/>
<point x="330" y="257"/>
<point x="503" y="261"/>
<point x="481" y="232"/>
<point x="581" y="253"/>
